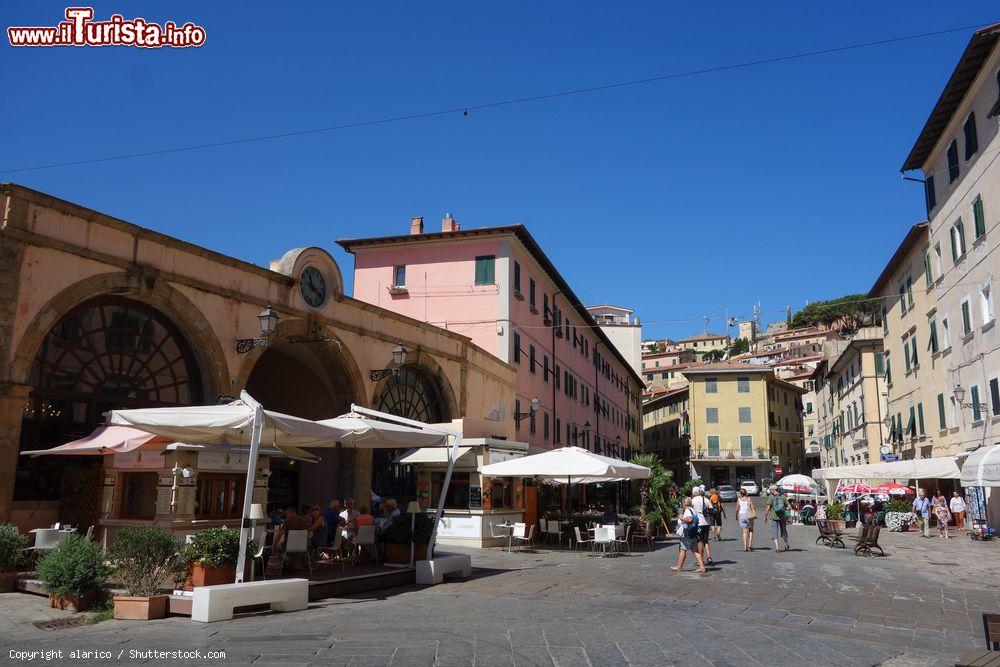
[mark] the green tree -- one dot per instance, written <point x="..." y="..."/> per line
<point x="654" y="503"/>
<point x="713" y="355"/>
<point x="740" y="346"/>
<point x="847" y="313"/>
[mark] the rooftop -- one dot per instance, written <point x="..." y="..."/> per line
<point x="913" y="236"/>
<point x="703" y="336"/>
<point x="730" y="366"/>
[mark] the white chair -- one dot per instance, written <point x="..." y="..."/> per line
<point x="46" y="539"/>
<point x="505" y="534"/>
<point x="580" y="540"/>
<point x="622" y="540"/>
<point x="604" y="536"/>
<point x="555" y="529"/>
<point x="297" y="542"/>
<point x="335" y="552"/>
<point x="527" y="540"/>
<point x="366" y="540"/>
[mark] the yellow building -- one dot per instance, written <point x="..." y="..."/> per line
<point x="666" y="431"/>
<point x="746" y="424"/>
<point x="705" y="342"/>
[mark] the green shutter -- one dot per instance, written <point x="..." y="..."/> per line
<point x="879" y="363"/>
<point x="913" y="345"/>
<point x="977" y="413"/>
<point x="942" y="420"/>
<point x="933" y="342"/>
<point x="979" y="217"/>
<point x="906" y="355"/>
<point x="920" y="418"/>
<point x="928" y="279"/>
<point x="888" y="372"/>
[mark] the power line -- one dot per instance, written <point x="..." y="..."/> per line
<point x="465" y="109"/>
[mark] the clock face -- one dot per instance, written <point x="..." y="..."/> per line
<point x="313" y="286"/>
<point x="885" y="450"/>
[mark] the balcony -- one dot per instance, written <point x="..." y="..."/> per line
<point x="728" y="455"/>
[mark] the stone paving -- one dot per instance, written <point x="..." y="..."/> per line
<point x="812" y="605"/>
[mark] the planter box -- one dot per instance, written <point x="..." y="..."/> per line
<point x="140" y="608"/>
<point x="201" y="575"/>
<point x="399" y="554"/>
<point x="8" y="582"/>
<point x="73" y="602"/>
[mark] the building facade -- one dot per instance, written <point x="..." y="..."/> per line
<point x="496" y="286"/>
<point x="705" y="342"/>
<point x="622" y="329"/>
<point x="663" y="369"/>
<point x="855" y="391"/>
<point x="666" y="431"/>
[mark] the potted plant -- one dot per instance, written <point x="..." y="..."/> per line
<point x="12" y="546"/>
<point x="898" y="516"/>
<point x="398" y="536"/>
<point x="142" y="558"/>
<point x="211" y="557"/>
<point x="73" y="573"/>
<point x="835" y="515"/>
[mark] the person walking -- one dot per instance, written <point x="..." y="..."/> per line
<point x="701" y="506"/>
<point x="746" y="512"/>
<point x="718" y="516"/>
<point x="777" y="512"/>
<point x="957" y="507"/>
<point x="942" y="514"/>
<point x="922" y="508"/>
<point x="687" y="530"/>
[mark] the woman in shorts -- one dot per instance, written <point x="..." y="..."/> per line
<point x="687" y="517"/>
<point x="746" y="512"/>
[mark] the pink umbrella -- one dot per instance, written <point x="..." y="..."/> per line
<point x="892" y="489"/>
<point x="855" y="488"/>
<point x="105" y="440"/>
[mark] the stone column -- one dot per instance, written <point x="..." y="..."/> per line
<point x="361" y="487"/>
<point x="12" y="399"/>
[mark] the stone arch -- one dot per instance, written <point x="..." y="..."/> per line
<point x="428" y="366"/>
<point x="182" y="313"/>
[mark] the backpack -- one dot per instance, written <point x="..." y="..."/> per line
<point x="709" y="509"/>
<point x="691" y="528"/>
<point x="779" y="507"/>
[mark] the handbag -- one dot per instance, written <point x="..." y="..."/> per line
<point x="691" y="528"/>
<point x="752" y="512"/>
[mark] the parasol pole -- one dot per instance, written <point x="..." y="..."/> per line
<point x="245" y="524"/>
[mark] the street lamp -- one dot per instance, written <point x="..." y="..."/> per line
<point x="398" y="359"/>
<point x="268" y="323"/>
<point x="959" y="393"/>
<point x="521" y="416"/>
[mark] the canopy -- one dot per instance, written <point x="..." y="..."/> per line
<point x="982" y="467"/>
<point x="854" y="488"/>
<point x="941" y="467"/>
<point x="375" y="434"/>
<point x="891" y="489"/>
<point x="432" y="455"/>
<point x="568" y="465"/>
<point x="797" y="483"/>
<point x="105" y="440"/>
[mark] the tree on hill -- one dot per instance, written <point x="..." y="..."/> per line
<point x="846" y="314"/>
<point x="713" y="355"/>
<point x="740" y="346"/>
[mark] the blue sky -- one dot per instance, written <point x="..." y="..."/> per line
<point x="778" y="183"/>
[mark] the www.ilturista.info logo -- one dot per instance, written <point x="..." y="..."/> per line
<point x="79" y="29"/>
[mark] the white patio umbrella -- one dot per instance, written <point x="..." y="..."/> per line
<point x="568" y="465"/>
<point x="796" y="482"/>
<point x="375" y="434"/>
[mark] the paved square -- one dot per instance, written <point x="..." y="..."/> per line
<point x="919" y="606"/>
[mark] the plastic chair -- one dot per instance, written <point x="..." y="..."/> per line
<point x="335" y="552"/>
<point x="527" y="540"/>
<point x="580" y="540"/>
<point x="505" y="534"/>
<point x="366" y="540"/>
<point x="296" y="543"/>
<point x="556" y="529"/>
<point x="258" y="537"/>
<point x="604" y="536"/>
<point x="621" y="540"/>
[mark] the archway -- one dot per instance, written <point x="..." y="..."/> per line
<point x="108" y="352"/>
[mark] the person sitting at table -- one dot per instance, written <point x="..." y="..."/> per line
<point x="610" y="516"/>
<point x="390" y="514"/>
<point x="292" y="522"/>
<point x="332" y="516"/>
<point x="348" y="515"/>
<point x="318" y="528"/>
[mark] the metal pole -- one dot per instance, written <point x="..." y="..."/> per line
<point x="245" y="523"/>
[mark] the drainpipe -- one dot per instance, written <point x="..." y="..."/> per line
<point x="554" y="358"/>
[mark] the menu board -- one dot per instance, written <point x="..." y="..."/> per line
<point x="475" y="497"/>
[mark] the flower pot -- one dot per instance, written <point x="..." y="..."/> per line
<point x="140" y="608"/>
<point x="399" y="554"/>
<point x="8" y="582"/>
<point x="73" y="602"/>
<point x="204" y="575"/>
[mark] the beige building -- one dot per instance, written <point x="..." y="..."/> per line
<point x="666" y="431"/>
<point x="101" y="314"/>
<point x="956" y="154"/>
<point x="745" y="423"/>
<point x="664" y="369"/>
<point x="622" y="329"/>
<point x="706" y="342"/>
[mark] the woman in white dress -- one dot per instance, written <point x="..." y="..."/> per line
<point x="746" y="512"/>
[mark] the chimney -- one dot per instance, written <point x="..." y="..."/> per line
<point x="417" y="225"/>
<point x="449" y="224"/>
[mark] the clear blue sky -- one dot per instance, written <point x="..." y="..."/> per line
<point x="778" y="183"/>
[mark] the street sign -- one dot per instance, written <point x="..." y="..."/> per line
<point x="777" y="470"/>
<point x="890" y="458"/>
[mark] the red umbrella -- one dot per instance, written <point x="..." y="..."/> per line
<point x="892" y="489"/>
<point x="854" y="488"/>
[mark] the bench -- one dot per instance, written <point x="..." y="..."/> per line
<point x="829" y="534"/>
<point x="216" y="603"/>
<point x="868" y="542"/>
<point x="433" y="571"/>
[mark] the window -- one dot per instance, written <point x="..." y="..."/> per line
<point x="517" y="414"/>
<point x="531" y="423"/>
<point x="531" y="293"/>
<point x="517" y="276"/>
<point x="977" y="412"/>
<point x="911" y="424"/>
<point x="743" y="385"/>
<point x="557" y="432"/>
<point x="501" y="494"/>
<point x="745" y="415"/>
<point x="545" y="367"/>
<point x="809" y="408"/>
<point x="929" y="195"/>
<point x="932" y="340"/>
<point x="953" y="161"/>
<point x="556" y="373"/>
<point x="517" y="348"/>
<point x="902" y="298"/>
<point x="457" y="496"/>
<point x="978" y="216"/>
<point x="909" y="290"/>
<point x="971" y="141"/>
<point x="713" y="445"/>
<point x="485" y="265"/>
<point x="966" y="317"/>
<point x="920" y="418"/>
<point x="139" y="495"/>
<point x="219" y="496"/>
<point x="545" y="305"/>
<point x="913" y="351"/>
<point x="995" y="396"/>
<point x="986" y="303"/>
<point x="746" y="446"/>
<point x="399" y="276"/>
<point x="928" y="276"/>
<point x="712" y="415"/>
<point x="711" y="386"/>
<point x="885" y="319"/>
<point x="938" y="270"/>
<point x="942" y="419"/>
<point x="945" y="334"/>
<point x="957" y="240"/>
<point x="531" y="358"/>
<point x="879" y="365"/>
<point x="545" y="425"/>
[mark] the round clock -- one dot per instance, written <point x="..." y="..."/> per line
<point x="313" y="286"/>
<point x="885" y="450"/>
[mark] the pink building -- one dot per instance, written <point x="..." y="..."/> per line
<point x="495" y="285"/>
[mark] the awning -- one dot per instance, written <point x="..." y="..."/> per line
<point x="105" y="440"/>
<point x="568" y="465"/>
<point x="941" y="467"/>
<point x="432" y="455"/>
<point x="982" y="467"/>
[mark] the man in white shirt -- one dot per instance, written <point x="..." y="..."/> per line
<point x="349" y="515"/>
<point x="698" y="505"/>
<point x="957" y="507"/>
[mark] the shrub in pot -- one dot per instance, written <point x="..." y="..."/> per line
<point x="143" y="557"/>
<point x="73" y="573"/>
<point x="897" y="521"/>
<point x="212" y="555"/>
<point x="12" y="546"/>
<point x="835" y="514"/>
<point x="397" y="538"/>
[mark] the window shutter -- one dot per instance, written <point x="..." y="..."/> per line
<point x="920" y="418"/>
<point x="932" y="340"/>
<point x="953" y="170"/>
<point x="977" y="413"/>
<point x="930" y="195"/>
<point x="971" y="140"/>
<point x="979" y="219"/>
<point x="942" y="419"/>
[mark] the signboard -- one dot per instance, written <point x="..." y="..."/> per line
<point x="777" y="470"/>
<point x="222" y="460"/>
<point x="460" y="526"/>
<point x="774" y="460"/>
<point x="475" y="497"/>
<point x="138" y="459"/>
<point x="890" y="458"/>
<point x="498" y="455"/>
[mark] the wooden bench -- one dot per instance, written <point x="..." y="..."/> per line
<point x="829" y="534"/>
<point x="867" y="542"/>
<point x="433" y="571"/>
<point x="216" y="603"/>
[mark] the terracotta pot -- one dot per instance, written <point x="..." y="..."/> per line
<point x="140" y="608"/>
<point x="8" y="582"/>
<point x="399" y="554"/>
<point x="73" y="602"/>
<point x="201" y="575"/>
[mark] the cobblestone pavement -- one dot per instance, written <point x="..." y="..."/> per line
<point x="812" y="605"/>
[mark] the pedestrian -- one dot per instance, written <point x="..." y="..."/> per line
<point x="687" y="531"/>
<point x="957" y="507"/>
<point x="922" y="508"/>
<point x="718" y="515"/>
<point x="942" y="514"/>
<point x="700" y="505"/>
<point x="777" y="512"/>
<point x="746" y="512"/>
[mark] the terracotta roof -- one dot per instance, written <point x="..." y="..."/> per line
<point x="975" y="54"/>
<point x="703" y="336"/>
<point x="728" y="366"/>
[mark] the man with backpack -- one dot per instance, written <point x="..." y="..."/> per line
<point x="777" y="512"/>
<point x="703" y="508"/>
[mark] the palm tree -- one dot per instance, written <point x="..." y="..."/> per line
<point x="653" y="489"/>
